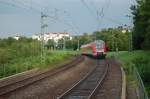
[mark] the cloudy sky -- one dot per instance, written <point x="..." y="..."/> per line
<point x="74" y="16"/>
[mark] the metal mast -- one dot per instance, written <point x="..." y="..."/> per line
<point x="43" y="31"/>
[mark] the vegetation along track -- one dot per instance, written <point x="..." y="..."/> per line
<point x="10" y="87"/>
<point x="87" y="86"/>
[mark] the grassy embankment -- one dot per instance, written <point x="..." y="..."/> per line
<point x="141" y="59"/>
<point x="21" y="64"/>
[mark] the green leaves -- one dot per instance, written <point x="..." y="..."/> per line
<point x="141" y="17"/>
<point x="114" y="38"/>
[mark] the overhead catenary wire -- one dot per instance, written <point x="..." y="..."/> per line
<point x="97" y="14"/>
<point x="104" y="9"/>
<point x="10" y="3"/>
<point x="23" y="5"/>
<point x="92" y="13"/>
<point x="71" y="21"/>
<point x="100" y="13"/>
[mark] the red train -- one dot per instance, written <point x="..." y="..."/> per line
<point x="97" y="49"/>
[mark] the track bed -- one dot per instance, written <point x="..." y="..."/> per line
<point x="103" y="82"/>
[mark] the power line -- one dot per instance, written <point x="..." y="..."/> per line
<point x="16" y="4"/>
<point x="89" y="9"/>
<point x="99" y="14"/>
<point x="71" y="21"/>
<point x="11" y="4"/>
<point x="114" y="21"/>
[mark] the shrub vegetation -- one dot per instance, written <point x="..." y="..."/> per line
<point x="25" y="54"/>
<point x="141" y="60"/>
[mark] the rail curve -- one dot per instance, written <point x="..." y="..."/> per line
<point x="86" y="87"/>
<point x="5" y="89"/>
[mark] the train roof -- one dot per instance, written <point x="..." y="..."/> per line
<point x="95" y="42"/>
<point x="99" y="41"/>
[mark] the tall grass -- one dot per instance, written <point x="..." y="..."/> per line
<point x="52" y="58"/>
<point x="141" y="59"/>
<point x="25" y="54"/>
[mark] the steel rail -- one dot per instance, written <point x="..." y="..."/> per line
<point x="84" y="80"/>
<point x="75" y="85"/>
<point x="33" y="79"/>
<point x="100" y="82"/>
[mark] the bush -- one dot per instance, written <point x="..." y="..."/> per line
<point x="143" y="65"/>
<point x="25" y="54"/>
<point x="141" y="60"/>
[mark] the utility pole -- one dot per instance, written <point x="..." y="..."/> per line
<point x="64" y="47"/>
<point x="78" y="45"/>
<point x="130" y="40"/>
<point x="130" y="34"/>
<point x="43" y="30"/>
<point x="113" y="42"/>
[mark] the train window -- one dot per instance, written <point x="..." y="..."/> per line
<point x="98" y="46"/>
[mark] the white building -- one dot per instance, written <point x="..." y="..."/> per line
<point x="53" y="36"/>
<point x="17" y="37"/>
<point x="36" y="36"/>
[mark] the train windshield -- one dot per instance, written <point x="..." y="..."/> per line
<point x="99" y="45"/>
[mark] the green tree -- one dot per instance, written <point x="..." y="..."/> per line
<point x="141" y="17"/>
<point x="114" y="38"/>
<point x="50" y="44"/>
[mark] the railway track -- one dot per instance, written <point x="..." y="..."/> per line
<point x="86" y="87"/>
<point x="10" y="87"/>
<point x="113" y="84"/>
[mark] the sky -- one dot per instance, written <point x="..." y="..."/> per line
<point x="23" y="17"/>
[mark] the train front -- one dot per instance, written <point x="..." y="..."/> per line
<point x="99" y="49"/>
